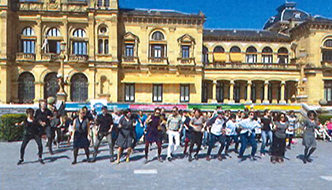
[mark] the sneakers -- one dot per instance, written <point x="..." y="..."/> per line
<point x="41" y="161"/>
<point x="159" y="159"/>
<point x="146" y="161"/>
<point x="20" y="162"/>
<point x="220" y="158"/>
<point x="262" y="155"/>
<point x="169" y="159"/>
<point x="74" y="162"/>
<point x="127" y="159"/>
<point x="196" y="157"/>
<point x="309" y="159"/>
<point x="252" y="158"/>
<point x="208" y="158"/>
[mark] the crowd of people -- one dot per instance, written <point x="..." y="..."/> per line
<point x="194" y="130"/>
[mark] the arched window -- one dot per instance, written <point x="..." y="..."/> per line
<point x="235" y="49"/>
<point x="251" y="55"/>
<point x="52" y="43"/>
<point x="26" y="88"/>
<point x="205" y="55"/>
<point x="283" y="56"/>
<point x="103" y="40"/>
<point x="158" y="50"/>
<point x="51" y="85"/>
<point x="79" y="33"/>
<point x="328" y="43"/>
<point x="219" y="49"/>
<point x="158" y="36"/>
<point x="28" y="31"/>
<point x="327" y="51"/>
<point x="79" y="46"/>
<point x="27" y="43"/>
<point x="267" y="55"/>
<point x="53" y="32"/>
<point x="79" y="88"/>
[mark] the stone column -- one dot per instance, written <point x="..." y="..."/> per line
<point x="249" y="92"/>
<point x="242" y="92"/>
<point x="266" y="92"/>
<point x="282" y="91"/>
<point x="231" y="92"/>
<point x="214" y="91"/>
<point x="39" y="36"/>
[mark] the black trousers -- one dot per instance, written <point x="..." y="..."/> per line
<point x="26" y="139"/>
<point x="278" y="146"/>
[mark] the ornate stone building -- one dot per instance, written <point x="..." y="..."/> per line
<point x="160" y="56"/>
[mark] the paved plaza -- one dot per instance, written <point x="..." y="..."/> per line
<point x="58" y="173"/>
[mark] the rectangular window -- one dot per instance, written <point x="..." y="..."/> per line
<point x="28" y="46"/>
<point x="157" y="93"/>
<point x="106" y="47"/>
<point x="157" y="51"/>
<point x="267" y="59"/>
<point x="327" y="56"/>
<point x="129" y="92"/>
<point x="184" y="92"/>
<point x="79" y="48"/>
<point x="129" y="50"/>
<point x="53" y="46"/>
<point x="251" y="58"/>
<point x="102" y="46"/>
<point x="185" y="51"/>
<point x="283" y="59"/>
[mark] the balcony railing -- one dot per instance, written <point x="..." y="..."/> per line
<point x="78" y="58"/>
<point x="25" y="57"/>
<point x="252" y="66"/>
<point x="50" y="57"/>
<point x="158" y="60"/>
<point x="129" y="59"/>
<point x="189" y="60"/>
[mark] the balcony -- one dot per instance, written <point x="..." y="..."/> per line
<point x="50" y="57"/>
<point x="251" y="66"/>
<point x="186" y="61"/>
<point x="158" y="60"/>
<point x="129" y="60"/>
<point x="25" y="57"/>
<point x="78" y="58"/>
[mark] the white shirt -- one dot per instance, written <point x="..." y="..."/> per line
<point x="231" y="128"/>
<point x="217" y="126"/>
<point x="248" y="125"/>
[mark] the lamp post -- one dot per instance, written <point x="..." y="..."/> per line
<point x="61" y="95"/>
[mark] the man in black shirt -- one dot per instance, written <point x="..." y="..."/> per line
<point x="43" y="116"/>
<point x="104" y="122"/>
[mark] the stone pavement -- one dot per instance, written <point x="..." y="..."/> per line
<point x="58" y="173"/>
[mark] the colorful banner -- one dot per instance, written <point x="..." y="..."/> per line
<point x="151" y="107"/>
<point x="276" y="107"/>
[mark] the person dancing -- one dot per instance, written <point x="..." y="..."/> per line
<point x="81" y="132"/>
<point x="309" y="140"/>
<point x="31" y="131"/>
<point x="153" y="133"/>
<point x="279" y="139"/>
<point x="197" y="123"/>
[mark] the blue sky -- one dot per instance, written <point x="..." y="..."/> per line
<point x="250" y="14"/>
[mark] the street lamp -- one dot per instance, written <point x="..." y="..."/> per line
<point x="61" y="95"/>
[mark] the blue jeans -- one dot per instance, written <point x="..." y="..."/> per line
<point x="216" y="138"/>
<point x="246" y="140"/>
<point x="229" y="140"/>
<point x="205" y="138"/>
<point x="266" y="134"/>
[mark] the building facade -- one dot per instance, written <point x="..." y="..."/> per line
<point x="160" y="56"/>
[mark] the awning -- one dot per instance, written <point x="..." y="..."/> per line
<point x="236" y="57"/>
<point x="220" y="57"/>
<point x="158" y="79"/>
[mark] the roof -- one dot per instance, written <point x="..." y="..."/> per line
<point x="245" y="34"/>
<point x="318" y="20"/>
<point x="285" y="13"/>
<point x="159" y="13"/>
